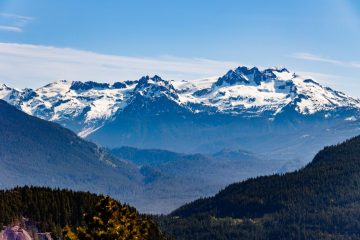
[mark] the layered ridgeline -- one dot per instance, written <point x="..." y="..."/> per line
<point x="270" y="111"/>
<point x="44" y="213"/>
<point x="42" y="153"/>
<point x="172" y="179"/>
<point x="320" y="201"/>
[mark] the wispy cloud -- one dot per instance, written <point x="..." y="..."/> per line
<point x="10" y="28"/>
<point x="324" y="78"/>
<point x="34" y="65"/>
<point x="13" y="22"/>
<point x="16" y="17"/>
<point x="318" y="58"/>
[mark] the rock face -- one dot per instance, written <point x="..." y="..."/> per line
<point x="44" y="236"/>
<point x="15" y="233"/>
<point x="18" y="233"/>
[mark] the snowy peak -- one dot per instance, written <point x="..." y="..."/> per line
<point x="155" y="87"/>
<point x="252" y="76"/>
<point x="272" y="90"/>
<point x="11" y="95"/>
<point x="5" y="92"/>
<point x="85" y="86"/>
<point x="311" y="97"/>
<point x="58" y="85"/>
<point x="251" y="92"/>
<point x="280" y="69"/>
<point x="231" y="78"/>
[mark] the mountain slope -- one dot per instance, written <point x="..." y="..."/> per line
<point x="321" y="200"/>
<point x="37" y="152"/>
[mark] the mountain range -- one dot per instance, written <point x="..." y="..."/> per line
<point x="271" y="111"/>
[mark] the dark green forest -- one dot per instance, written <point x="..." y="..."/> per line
<point x="320" y="201"/>
<point x="52" y="210"/>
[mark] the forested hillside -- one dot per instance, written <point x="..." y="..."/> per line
<point x="52" y="210"/>
<point x="320" y="201"/>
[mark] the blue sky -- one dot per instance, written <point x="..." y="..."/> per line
<point x="41" y="41"/>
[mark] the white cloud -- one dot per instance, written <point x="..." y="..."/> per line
<point x="10" y="29"/>
<point x="355" y="64"/>
<point x="324" y="78"/>
<point x="25" y="65"/>
<point x="13" y="22"/>
<point x="313" y="57"/>
<point x="318" y="58"/>
<point x="16" y="17"/>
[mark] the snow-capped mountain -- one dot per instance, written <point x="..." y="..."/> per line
<point x="77" y="105"/>
<point x="243" y="99"/>
<point x="245" y="90"/>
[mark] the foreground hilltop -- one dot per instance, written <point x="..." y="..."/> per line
<point x="56" y="211"/>
<point x="244" y="109"/>
<point x="320" y="201"/>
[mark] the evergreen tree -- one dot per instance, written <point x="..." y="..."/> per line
<point x="114" y="222"/>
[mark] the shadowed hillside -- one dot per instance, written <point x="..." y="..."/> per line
<point x="37" y="152"/>
<point x="320" y="201"/>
